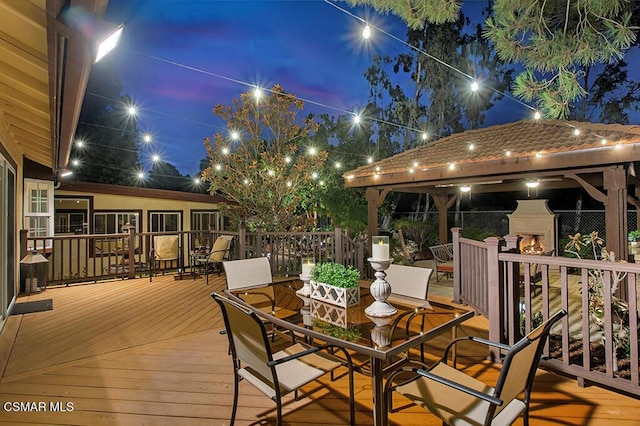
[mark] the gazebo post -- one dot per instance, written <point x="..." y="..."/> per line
<point x="615" y="184"/>
<point x="443" y="203"/>
<point x="375" y="197"/>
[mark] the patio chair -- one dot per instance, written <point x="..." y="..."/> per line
<point x="252" y="278"/>
<point x="459" y="399"/>
<point x="274" y="374"/>
<point x="409" y="286"/>
<point x="166" y="250"/>
<point x="219" y="253"/>
<point x="443" y="256"/>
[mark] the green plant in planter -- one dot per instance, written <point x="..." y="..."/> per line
<point x="336" y="274"/>
<point x="634" y="236"/>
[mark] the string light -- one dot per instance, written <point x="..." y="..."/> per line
<point x="155" y="158"/>
<point x="312" y="151"/>
<point x="537" y="115"/>
<point x="235" y="135"/>
<point x="427" y="54"/>
<point x="357" y="119"/>
<point x="146" y="138"/>
<point x="225" y="150"/>
<point x="576" y="132"/>
<point x="366" y="32"/>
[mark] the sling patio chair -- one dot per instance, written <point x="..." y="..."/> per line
<point x="165" y="251"/>
<point x="274" y="374"/>
<point x="459" y="399"/>
<point x="218" y="254"/>
<point x="409" y="286"/>
<point x="251" y="280"/>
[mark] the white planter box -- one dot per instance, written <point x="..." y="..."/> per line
<point x="343" y="297"/>
<point x="333" y="314"/>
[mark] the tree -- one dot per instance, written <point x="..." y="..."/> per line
<point x="438" y="99"/>
<point x="164" y="175"/>
<point x="348" y="148"/>
<point x="551" y="39"/>
<point x="554" y="40"/>
<point x="267" y="170"/>
<point x="109" y="136"/>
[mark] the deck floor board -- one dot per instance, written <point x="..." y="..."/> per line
<point x="131" y="352"/>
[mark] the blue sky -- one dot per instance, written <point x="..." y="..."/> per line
<point x="176" y="60"/>
<point x="179" y="58"/>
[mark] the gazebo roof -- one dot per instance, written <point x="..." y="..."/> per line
<point x="524" y="148"/>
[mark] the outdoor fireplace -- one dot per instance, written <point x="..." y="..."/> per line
<point x="536" y="224"/>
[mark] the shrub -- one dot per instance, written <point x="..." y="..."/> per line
<point x="336" y="274"/>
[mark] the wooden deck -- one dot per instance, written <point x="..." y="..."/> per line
<point x="132" y="352"/>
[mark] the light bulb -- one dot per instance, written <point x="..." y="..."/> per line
<point x="366" y="32"/>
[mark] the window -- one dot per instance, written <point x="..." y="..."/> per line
<point x="72" y="215"/>
<point x="165" y="221"/>
<point x="202" y="221"/>
<point x="205" y="221"/>
<point x="38" y="206"/>
<point x="112" y="222"/>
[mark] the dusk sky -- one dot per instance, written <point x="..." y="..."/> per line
<point x="179" y="58"/>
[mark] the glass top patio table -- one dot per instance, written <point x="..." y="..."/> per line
<point x="381" y="339"/>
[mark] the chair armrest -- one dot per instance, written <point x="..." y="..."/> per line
<point x="258" y="293"/>
<point x="489" y="398"/>
<point x="474" y="339"/>
<point x="288" y="358"/>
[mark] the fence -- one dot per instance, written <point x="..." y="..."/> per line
<point x="597" y="341"/>
<point x="496" y="222"/>
<point x="85" y="258"/>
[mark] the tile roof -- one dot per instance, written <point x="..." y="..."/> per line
<point x="501" y="143"/>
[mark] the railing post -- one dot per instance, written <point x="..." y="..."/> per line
<point x="130" y="248"/>
<point x="495" y="293"/>
<point x="260" y="244"/>
<point x="512" y="242"/>
<point x="360" y="256"/>
<point x="337" y="245"/>
<point x="456" y="234"/>
<point x="242" y="241"/>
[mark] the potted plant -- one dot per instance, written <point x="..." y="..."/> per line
<point x="336" y="284"/>
<point x="634" y="238"/>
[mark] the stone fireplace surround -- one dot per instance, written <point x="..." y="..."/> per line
<point x="533" y="219"/>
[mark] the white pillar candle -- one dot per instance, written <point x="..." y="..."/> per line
<point x="380" y="248"/>
<point x="307" y="266"/>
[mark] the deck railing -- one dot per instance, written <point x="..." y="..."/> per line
<point x="85" y="258"/>
<point x="597" y="341"/>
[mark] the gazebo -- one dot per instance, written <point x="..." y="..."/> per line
<point x="601" y="158"/>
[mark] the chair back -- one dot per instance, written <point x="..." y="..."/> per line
<point x="247" y="273"/>
<point x="166" y="247"/>
<point x="220" y="248"/>
<point x="442" y="253"/>
<point x="409" y="281"/>
<point x="520" y="364"/>
<point x="247" y="338"/>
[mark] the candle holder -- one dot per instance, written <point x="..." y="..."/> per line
<point x="305" y="310"/>
<point x="306" y="288"/>
<point x="380" y="290"/>
<point x="381" y="333"/>
<point x="307" y="265"/>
